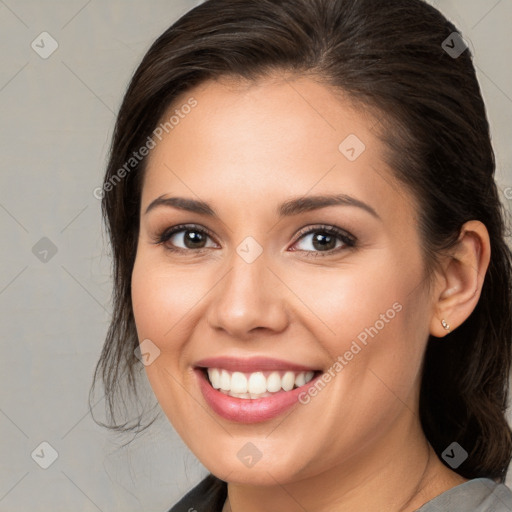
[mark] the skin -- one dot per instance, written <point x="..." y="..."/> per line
<point x="245" y="149"/>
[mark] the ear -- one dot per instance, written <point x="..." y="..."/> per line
<point x="461" y="279"/>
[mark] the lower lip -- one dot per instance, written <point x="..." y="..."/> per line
<point x="246" y="410"/>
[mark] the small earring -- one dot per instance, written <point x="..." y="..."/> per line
<point x="445" y="325"/>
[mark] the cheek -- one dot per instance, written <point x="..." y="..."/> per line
<point x="147" y="296"/>
<point x="167" y="303"/>
<point x="161" y="296"/>
<point x="383" y="347"/>
<point x="158" y="303"/>
<point x="373" y="320"/>
<point x="341" y="303"/>
<point x="160" y="300"/>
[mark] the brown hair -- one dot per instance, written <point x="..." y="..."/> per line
<point x="388" y="56"/>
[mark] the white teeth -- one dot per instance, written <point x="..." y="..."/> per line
<point x="238" y="383"/>
<point x="300" y="380"/>
<point x="214" y="375"/>
<point x="240" y="395"/>
<point x="273" y="382"/>
<point x="288" y="381"/>
<point x="256" y="385"/>
<point x="225" y="380"/>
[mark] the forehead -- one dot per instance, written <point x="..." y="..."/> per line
<point x="255" y="142"/>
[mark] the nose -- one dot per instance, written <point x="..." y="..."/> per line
<point x="248" y="301"/>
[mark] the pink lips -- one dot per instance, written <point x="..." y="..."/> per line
<point x="242" y="410"/>
<point x="254" y="364"/>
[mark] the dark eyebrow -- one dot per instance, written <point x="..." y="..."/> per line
<point x="308" y="203"/>
<point x="291" y="207"/>
<point x="182" y="203"/>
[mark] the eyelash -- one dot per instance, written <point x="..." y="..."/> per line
<point x="348" y="240"/>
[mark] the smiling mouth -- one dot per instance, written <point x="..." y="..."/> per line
<point x="259" y="384"/>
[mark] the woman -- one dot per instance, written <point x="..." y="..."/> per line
<point x="309" y="258"/>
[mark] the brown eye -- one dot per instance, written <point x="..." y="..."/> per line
<point x="327" y="239"/>
<point x="193" y="239"/>
<point x="185" y="238"/>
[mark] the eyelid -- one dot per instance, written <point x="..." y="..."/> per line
<point x="348" y="239"/>
<point x="328" y="228"/>
<point x="163" y="236"/>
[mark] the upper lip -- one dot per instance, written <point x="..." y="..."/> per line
<point x="251" y="364"/>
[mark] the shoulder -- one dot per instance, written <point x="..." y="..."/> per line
<point x="208" y="495"/>
<point x="477" y="495"/>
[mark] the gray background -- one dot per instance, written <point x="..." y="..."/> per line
<point x="57" y="119"/>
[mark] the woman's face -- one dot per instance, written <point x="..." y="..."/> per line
<point x="257" y="290"/>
